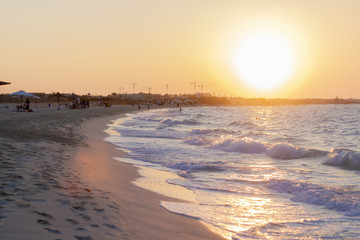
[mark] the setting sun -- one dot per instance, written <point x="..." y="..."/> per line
<point x="264" y="60"/>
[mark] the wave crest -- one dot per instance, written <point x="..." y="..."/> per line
<point x="169" y="121"/>
<point x="286" y="151"/>
<point x="244" y="145"/>
<point x="190" y="167"/>
<point x="344" y="158"/>
<point x="204" y="131"/>
<point x="196" y="141"/>
<point x="332" y="198"/>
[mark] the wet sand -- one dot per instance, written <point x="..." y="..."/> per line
<point x="58" y="180"/>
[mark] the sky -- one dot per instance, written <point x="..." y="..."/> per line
<point x="165" y="46"/>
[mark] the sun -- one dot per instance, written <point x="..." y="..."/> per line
<point x="264" y="59"/>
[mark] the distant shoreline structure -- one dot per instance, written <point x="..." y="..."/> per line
<point x="181" y="99"/>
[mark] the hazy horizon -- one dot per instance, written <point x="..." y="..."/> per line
<point x="103" y="47"/>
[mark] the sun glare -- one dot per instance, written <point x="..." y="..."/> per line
<point x="264" y="60"/>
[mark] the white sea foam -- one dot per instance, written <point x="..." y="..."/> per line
<point x="286" y="151"/>
<point x="170" y="121"/>
<point x="147" y="119"/>
<point x="344" y="158"/>
<point x="204" y="131"/>
<point x="247" y="145"/>
<point x="143" y="133"/>
<point x="246" y="124"/>
<point x="243" y="145"/>
<point x="191" y="122"/>
<point x="332" y="198"/>
<point x="190" y="167"/>
<point x="197" y="141"/>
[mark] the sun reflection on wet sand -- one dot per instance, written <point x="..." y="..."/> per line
<point x="253" y="211"/>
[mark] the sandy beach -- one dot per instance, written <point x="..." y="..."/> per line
<point x="59" y="181"/>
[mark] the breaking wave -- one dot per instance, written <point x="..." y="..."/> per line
<point x="150" y="134"/>
<point x="284" y="151"/>
<point x="204" y="131"/>
<point x="338" y="199"/>
<point x="170" y="121"/>
<point x="197" y="141"/>
<point x="344" y="158"/>
<point x="247" y="124"/>
<point x="244" y="145"/>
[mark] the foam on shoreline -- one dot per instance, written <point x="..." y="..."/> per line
<point x="156" y="181"/>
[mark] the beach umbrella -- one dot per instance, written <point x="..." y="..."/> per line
<point x="4" y="83"/>
<point x="22" y="94"/>
<point x="58" y="96"/>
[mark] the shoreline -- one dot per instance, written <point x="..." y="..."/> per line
<point x="60" y="180"/>
<point x="149" y="219"/>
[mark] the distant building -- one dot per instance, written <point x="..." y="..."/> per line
<point x="39" y="94"/>
<point x="200" y="95"/>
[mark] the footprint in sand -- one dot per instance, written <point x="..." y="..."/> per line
<point x="54" y="231"/>
<point x="43" y="222"/>
<point x="72" y="221"/>
<point x="83" y="238"/>
<point x="79" y="205"/>
<point x="114" y="207"/>
<point x="99" y="209"/>
<point x="85" y="217"/>
<point x="110" y="226"/>
<point x="81" y="229"/>
<point x="44" y="214"/>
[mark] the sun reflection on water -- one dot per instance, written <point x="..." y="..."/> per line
<point x="249" y="212"/>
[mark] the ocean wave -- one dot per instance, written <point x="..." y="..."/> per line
<point x="344" y="158"/>
<point x="244" y="145"/>
<point x="169" y="121"/>
<point x="203" y="185"/>
<point x="338" y="199"/>
<point x="190" y="122"/>
<point x="200" y="115"/>
<point x="243" y="124"/>
<point x="204" y="131"/>
<point x="147" y="119"/>
<point x="286" y="151"/>
<point x="198" y="131"/>
<point x="199" y="141"/>
<point x="149" y="134"/>
<point x="248" y="181"/>
<point x="189" y="167"/>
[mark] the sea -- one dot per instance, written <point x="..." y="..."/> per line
<point x="255" y="172"/>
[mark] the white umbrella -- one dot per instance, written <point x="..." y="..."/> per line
<point x="23" y="93"/>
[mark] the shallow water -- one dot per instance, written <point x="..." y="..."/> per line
<point x="257" y="172"/>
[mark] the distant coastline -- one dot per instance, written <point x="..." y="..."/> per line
<point x="177" y="99"/>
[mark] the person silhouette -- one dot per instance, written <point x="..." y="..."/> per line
<point x="27" y="104"/>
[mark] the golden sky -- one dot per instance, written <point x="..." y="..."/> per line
<point x="100" y="47"/>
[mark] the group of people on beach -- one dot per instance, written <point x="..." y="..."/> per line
<point x="79" y="104"/>
<point x="24" y="107"/>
